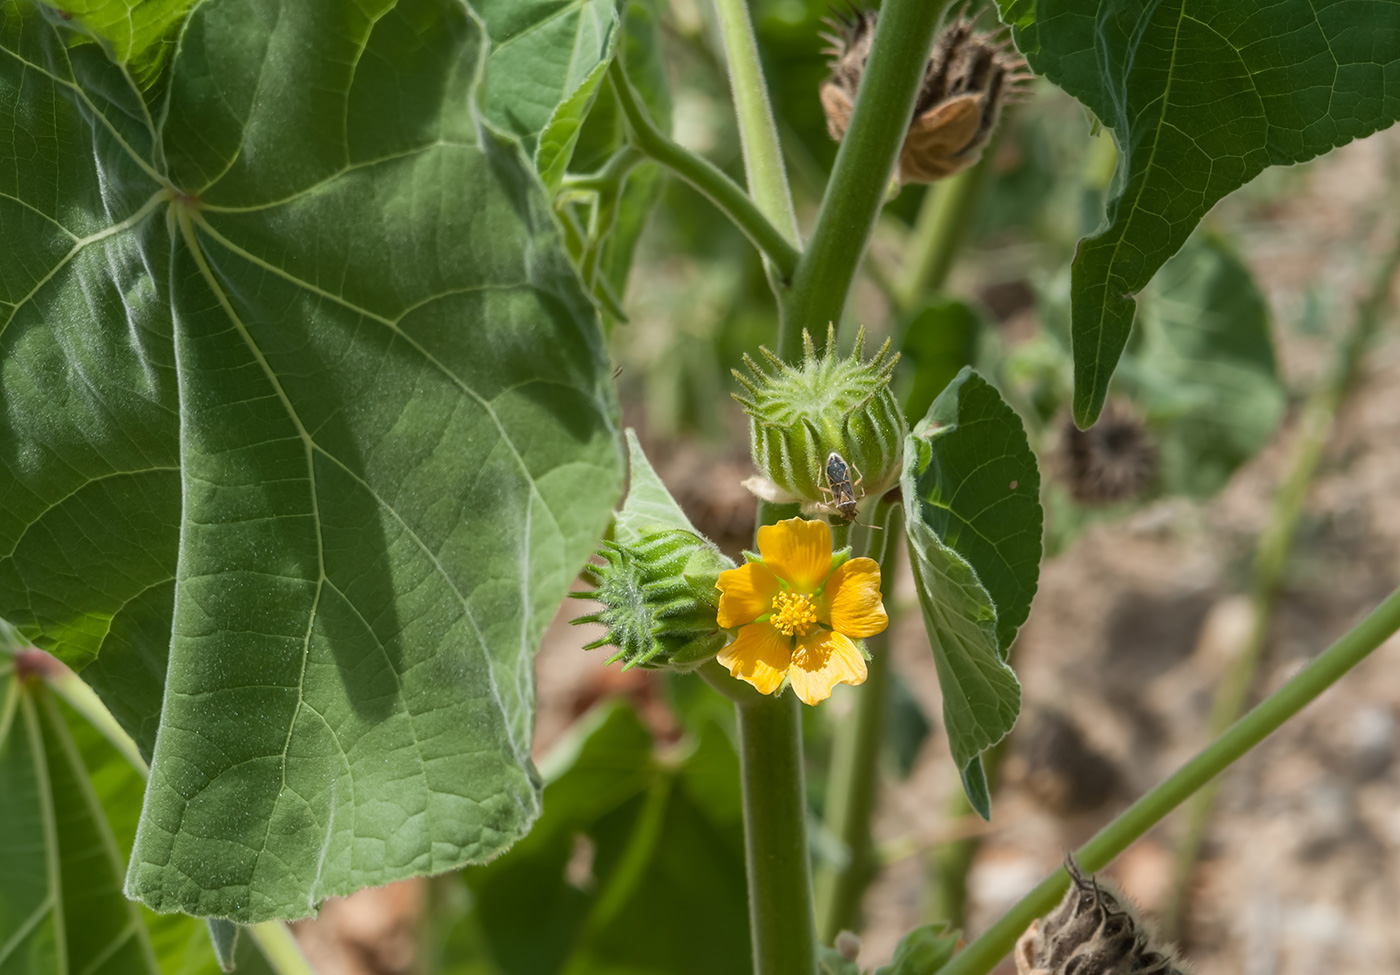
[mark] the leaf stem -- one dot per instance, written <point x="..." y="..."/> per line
<point x="860" y="177"/>
<point x="274" y="939"/>
<point x="1271" y="558"/>
<point x="996" y="942"/>
<point x="758" y="135"/>
<point x="853" y="785"/>
<point x="781" y="921"/>
<point x="705" y="176"/>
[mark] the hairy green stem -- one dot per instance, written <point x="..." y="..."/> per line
<point x="853" y="783"/>
<point x="274" y="939"/>
<point x="781" y="921"/>
<point x="982" y="955"/>
<point x="1271" y="557"/>
<point x="940" y="229"/>
<point x="864" y="163"/>
<point x="758" y="135"/>
<point x="706" y="177"/>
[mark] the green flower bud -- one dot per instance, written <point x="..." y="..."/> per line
<point x="659" y="600"/>
<point x="800" y="415"/>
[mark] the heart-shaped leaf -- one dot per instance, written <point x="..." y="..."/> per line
<point x="308" y="425"/>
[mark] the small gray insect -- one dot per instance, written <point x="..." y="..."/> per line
<point x="1092" y="932"/>
<point x="839" y="486"/>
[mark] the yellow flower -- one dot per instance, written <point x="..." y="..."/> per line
<point x="797" y="616"/>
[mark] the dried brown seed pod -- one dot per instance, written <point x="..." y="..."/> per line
<point x="1094" y="931"/>
<point x="970" y="76"/>
<point x="1114" y="460"/>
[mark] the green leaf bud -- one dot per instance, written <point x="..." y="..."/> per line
<point x="659" y="601"/>
<point x="800" y="415"/>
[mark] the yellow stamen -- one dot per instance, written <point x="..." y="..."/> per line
<point x="793" y="614"/>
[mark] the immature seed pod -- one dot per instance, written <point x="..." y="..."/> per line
<point x="969" y="77"/>
<point x="801" y="415"/>
<point x="1093" y="932"/>
<point x="659" y="601"/>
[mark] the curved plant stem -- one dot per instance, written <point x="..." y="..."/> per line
<point x="853" y="785"/>
<point x="763" y="156"/>
<point x="879" y="122"/>
<point x="706" y="177"/>
<point x="983" y="954"/>
<point x="781" y="922"/>
<point x="941" y="228"/>
<point x="1271" y="557"/>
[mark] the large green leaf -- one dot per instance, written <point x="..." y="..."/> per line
<point x="308" y="426"/>
<point x="1203" y="370"/>
<point x="972" y="502"/>
<point x="629" y="853"/>
<point x="1201" y="98"/>
<point x="548" y="58"/>
<point x="61" y="906"/>
<point x="181" y="944"/>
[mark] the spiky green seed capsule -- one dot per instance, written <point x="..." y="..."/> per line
<point x="801" y="414"/>
<point x="659" y="600"/>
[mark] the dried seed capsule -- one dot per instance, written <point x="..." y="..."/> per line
<point x="802" y="415"/>
<point x="1114" y="460"/>
<point x="659" y="600"/>
<point x="969" y="77"/>
<point x="1093" y="932"/>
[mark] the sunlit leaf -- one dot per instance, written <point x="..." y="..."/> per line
<point x="548" y="58"/>
<point x="308" y="427"/>
<point x="1201" y="98"/>
<point x="971" y="497"/>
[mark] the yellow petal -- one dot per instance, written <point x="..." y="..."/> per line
<point x="746" y="593"/>
<point x="823" y="660"/>
<point x="852" y="600"/>
<point x="759" y="655"/>
<point x="798" y="551"/>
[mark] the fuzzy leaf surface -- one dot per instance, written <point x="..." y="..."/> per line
<point x="307" y="427"/>
<point x="548" y="58"/>
<point x="1201" y="98"/>
<point x="973" y="520"/>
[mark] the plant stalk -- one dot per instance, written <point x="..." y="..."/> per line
<point x="941" y="227"/>
<point x="781" y="921"/>
<point x="705" y="176"/>
<point x="758" y="135"/>
<point x="860" y="177"/>
<point x="853" y="786"/>
<point x="1270" y="560"/>
<point x="982" y="955"/>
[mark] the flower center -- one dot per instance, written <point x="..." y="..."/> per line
<point x="793" y="614"/>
